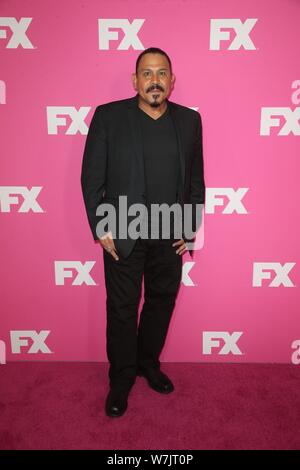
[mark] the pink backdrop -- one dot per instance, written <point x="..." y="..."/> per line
<point x="238" y="64"/>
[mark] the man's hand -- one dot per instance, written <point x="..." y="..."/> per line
<point x="107" y="244"/>
<point x="181" y="246"/>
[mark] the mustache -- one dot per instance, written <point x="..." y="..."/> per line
<point x="155" y="87"/>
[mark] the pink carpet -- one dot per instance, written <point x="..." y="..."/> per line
<point x="50" y="405"/>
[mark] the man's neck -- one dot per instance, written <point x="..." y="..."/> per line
<point x="155" y="113"/>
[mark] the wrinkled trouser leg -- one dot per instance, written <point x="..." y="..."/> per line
<point x="128" y="344"/>
<point x="123" y="280"/>
<point x="162" y="278"/>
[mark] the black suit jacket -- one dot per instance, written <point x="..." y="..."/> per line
<point x="113" y="163"/>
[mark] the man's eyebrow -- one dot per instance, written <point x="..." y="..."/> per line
<point x="163" y="68"/>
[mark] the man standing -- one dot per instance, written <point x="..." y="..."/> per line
<point x="148" y="149"/>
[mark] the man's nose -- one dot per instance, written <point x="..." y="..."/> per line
<point x="155" y="77"/>
<point x="156" y="83"/>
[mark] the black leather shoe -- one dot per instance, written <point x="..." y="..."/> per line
<point x="157" y="380"/>
<point x="116" y="402"/>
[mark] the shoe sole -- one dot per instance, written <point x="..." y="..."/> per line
<point x="114" y="416"/>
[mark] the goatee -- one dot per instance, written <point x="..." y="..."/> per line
<point x="155" y="104"/>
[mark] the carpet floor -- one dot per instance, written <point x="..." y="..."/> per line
<point x="60" y="405"/>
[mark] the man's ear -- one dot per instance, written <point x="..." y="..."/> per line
<point x="173" y="79"/>
<point x="133" y="79"/>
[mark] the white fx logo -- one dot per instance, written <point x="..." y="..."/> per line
<point x="242" y="30"/>
<point x="215" y="198"/>
<point x="263" y="271"/>
<point x="77" y="117"/>
<point x="211" y="340"/>
<point x="270" y="117"/>
<point x="63" y="270"/>
<point x="130" y="33"/>
<point x="10" y="195"/>
<point x="185" y="277"/>
<point x="19" y="37"/>
<point x="20" y="338"/>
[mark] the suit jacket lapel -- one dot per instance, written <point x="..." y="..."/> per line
<point x="136" y="133"/>
<point x="174" y="114"/>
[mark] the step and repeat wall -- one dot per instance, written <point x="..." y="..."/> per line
<point x="237" y="63"/>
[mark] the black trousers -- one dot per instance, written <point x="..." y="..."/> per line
<point x="131" y="343"/>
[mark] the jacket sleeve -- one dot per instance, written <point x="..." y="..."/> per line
<point x="93" y="172"/>
<point x="197" y="184"/>
<point x="197" y="168"/>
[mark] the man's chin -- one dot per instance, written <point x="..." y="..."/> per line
<point x="155" y="104"/>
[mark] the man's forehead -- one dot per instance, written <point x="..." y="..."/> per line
<point x="155" y="61"/>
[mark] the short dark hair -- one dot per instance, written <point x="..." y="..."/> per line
<point x="152" y="50"/>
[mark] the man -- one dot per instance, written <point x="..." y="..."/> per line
<point x="148" y="149"/>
